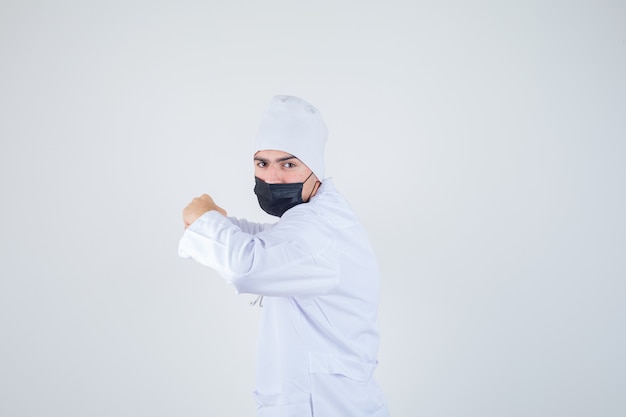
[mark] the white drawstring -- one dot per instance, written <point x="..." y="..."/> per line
<point x="259" y="300"/>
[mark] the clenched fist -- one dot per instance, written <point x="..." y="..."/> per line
<point x="198" y="207"/>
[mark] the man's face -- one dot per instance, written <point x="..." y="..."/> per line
<point x="278" y="167"/>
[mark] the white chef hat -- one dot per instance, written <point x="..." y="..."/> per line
<point x="294" y="126"/>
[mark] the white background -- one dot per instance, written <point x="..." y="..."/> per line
<point x="481" y="143"/>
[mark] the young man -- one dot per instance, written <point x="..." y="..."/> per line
<point x="314" y="267"/>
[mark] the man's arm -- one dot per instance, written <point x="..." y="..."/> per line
<point x="292" y="258"/>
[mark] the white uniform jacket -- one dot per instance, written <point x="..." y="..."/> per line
<point x="318" y="340"/>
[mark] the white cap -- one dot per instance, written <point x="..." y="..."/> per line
<point x="294" y="126"/>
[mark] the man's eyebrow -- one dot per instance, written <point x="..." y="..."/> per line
<point x="283" y="159"/>
<point x="286" y="158"/>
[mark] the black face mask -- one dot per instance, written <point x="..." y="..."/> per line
<point x="276" y="199"/>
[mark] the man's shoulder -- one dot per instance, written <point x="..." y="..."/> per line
<point x="328" y="208"/>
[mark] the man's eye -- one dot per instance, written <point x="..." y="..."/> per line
<point x="260" y="164"/>
<point x="289" y="165"/>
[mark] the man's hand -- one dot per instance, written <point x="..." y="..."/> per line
<point x="198" y="207"/>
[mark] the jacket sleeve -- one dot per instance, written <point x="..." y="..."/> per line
<point x="249" y="227"/>
<point x="293" y="257"/>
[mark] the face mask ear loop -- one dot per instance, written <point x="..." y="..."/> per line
<point x="307" y="178"/>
